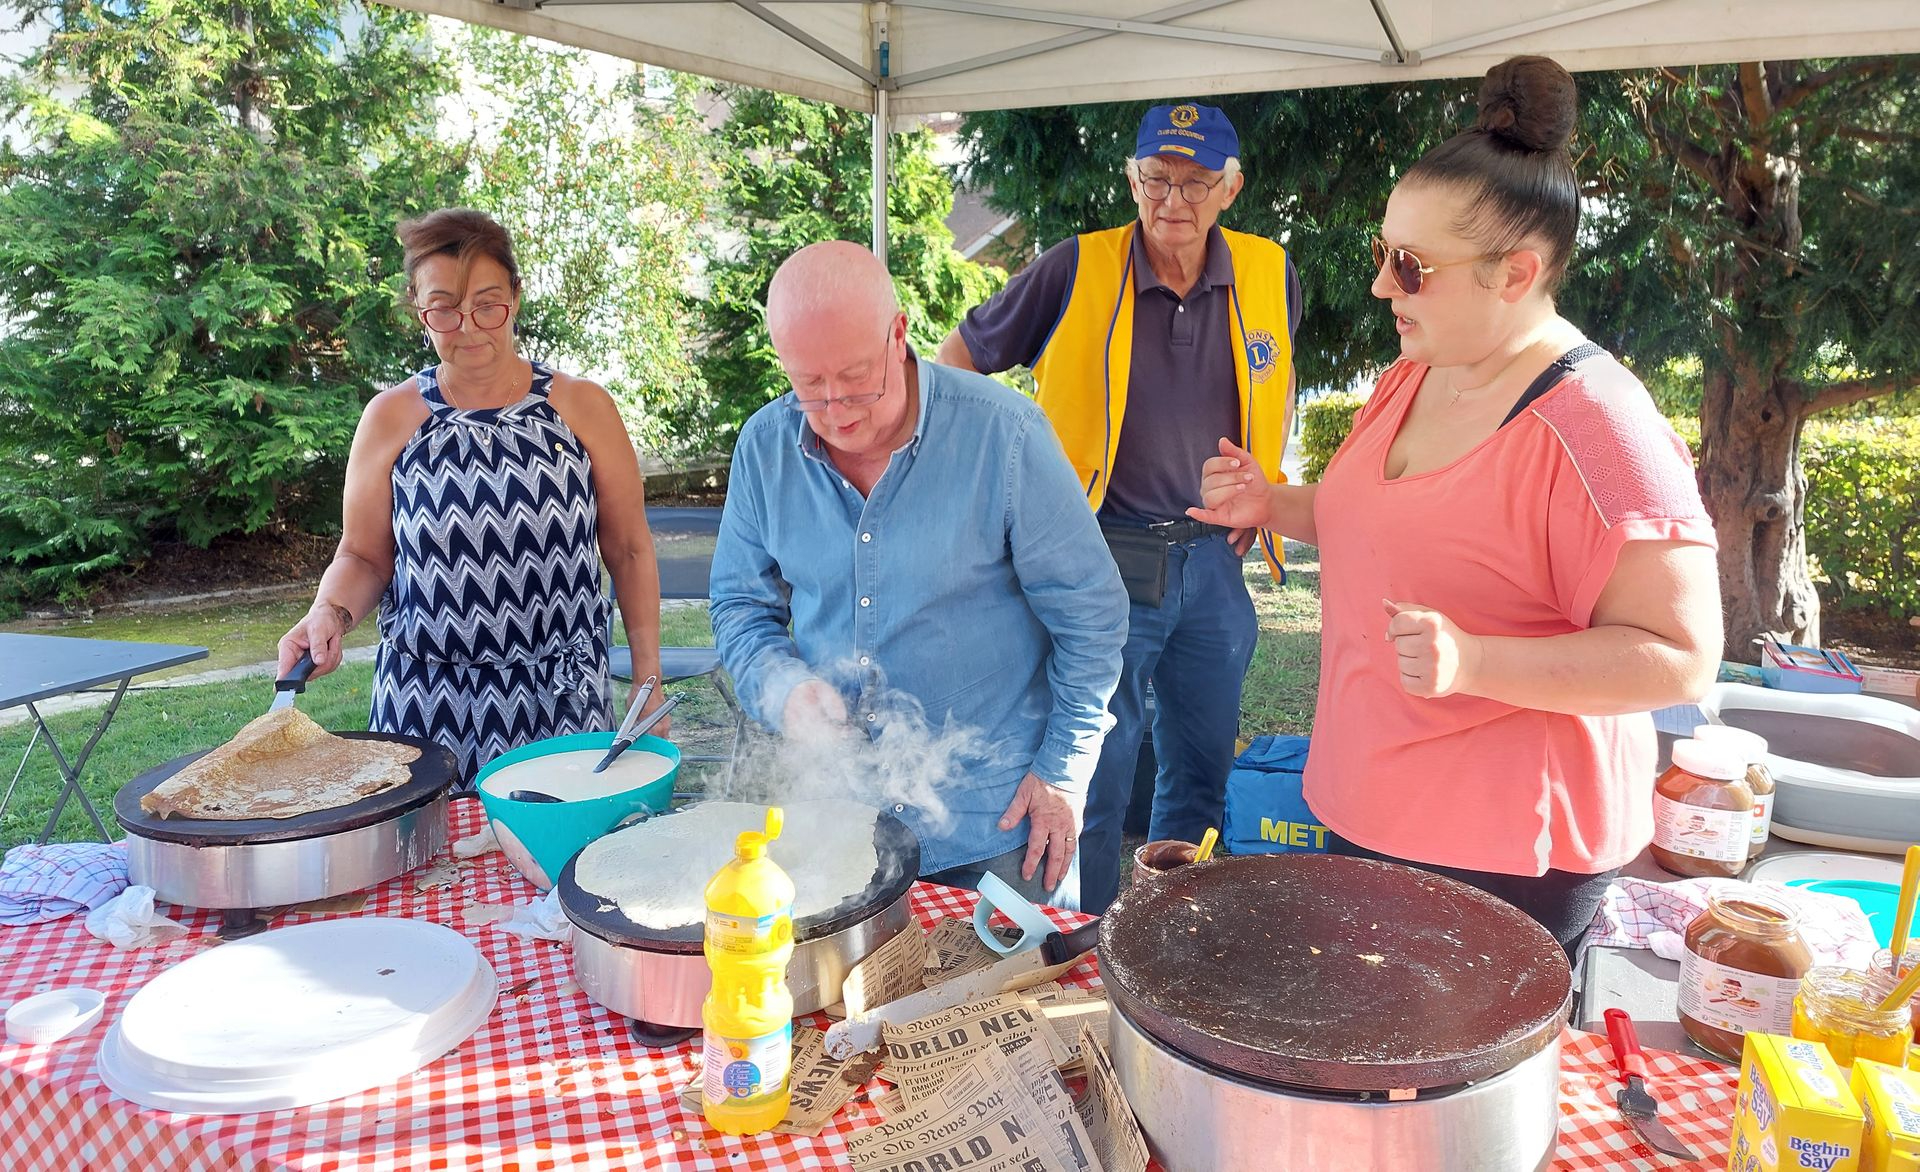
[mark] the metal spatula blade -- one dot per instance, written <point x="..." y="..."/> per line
<point x="292" y="684"/>
<point x="1637" y="1104"/>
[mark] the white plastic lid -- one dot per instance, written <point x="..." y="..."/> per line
<point x="1701" y="759"/>
<point x="1750" y="745"/>
<point x="298" y="1015"/>
<point x="50" y="1016"/>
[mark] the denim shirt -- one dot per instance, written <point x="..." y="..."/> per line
<point x="973" y="580"/>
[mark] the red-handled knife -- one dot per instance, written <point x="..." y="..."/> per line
<point x="1637" y="1105"/>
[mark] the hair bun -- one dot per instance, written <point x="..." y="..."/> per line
<point x="1529" y="102"/>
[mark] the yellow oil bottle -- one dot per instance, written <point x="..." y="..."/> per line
<point x="748" y="1014"/>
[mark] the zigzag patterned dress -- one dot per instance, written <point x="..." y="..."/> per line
<point x="493" y="632"/>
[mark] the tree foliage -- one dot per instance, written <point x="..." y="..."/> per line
<point x="1776" y="211"/>
<point x="603" y="189"/>
<point x="1763" y="217"/>
<point x="793" y="172"/>
<point x="198" y="242"/>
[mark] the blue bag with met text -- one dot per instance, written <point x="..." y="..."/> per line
<point x="1266" y="812"/>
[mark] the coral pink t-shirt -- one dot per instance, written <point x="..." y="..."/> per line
<point x="1517" y="537"/>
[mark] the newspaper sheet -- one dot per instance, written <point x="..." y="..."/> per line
<point x="953" y="948"/>
<point x="1067" y="1015"/>
<point x="922" y="1055"/>
<point x="997" y="1114"/>
<point x="1110" y="1124"/>
<point x="888" y="973"/>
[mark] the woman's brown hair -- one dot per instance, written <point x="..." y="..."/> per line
<point x="459" y="232"/>
<point x="1513" y="166"/>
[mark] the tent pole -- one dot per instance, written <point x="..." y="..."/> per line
<point x="877" y="23"/>
<point x="880" y="171"/>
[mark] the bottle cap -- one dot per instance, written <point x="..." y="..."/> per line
<point x="1750" y="745"/>
<point x="1708" y="760"/>
<point x="751" y="844"/>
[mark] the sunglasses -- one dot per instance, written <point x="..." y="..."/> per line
<point x="1405" y="268"/>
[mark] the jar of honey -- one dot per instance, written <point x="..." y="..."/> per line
<point x="1752" y="748"/>
<point x="1841" y="1007"/>
<point x="1742" y="967"/>
<point x="1703" y="812"/>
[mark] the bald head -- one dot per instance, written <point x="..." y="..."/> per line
<point x="835" y="283"/>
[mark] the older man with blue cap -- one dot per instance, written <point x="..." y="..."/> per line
<point x="1150" y="343"/>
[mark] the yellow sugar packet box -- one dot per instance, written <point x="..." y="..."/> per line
<point x="1793" y="1112"/>
<point x="1890" y="1098"/>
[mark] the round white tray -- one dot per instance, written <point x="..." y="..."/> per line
<point x="298" y="1015"/>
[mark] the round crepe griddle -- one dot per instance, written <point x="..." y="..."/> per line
<point x="894" y="842"/>
<point x="1334" y="973"/>
<point x="429" y="776"/>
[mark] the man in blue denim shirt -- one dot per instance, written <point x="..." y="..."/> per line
<point x="903" y="526"/>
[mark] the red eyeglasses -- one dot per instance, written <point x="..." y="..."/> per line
<point x="445" y="319"/>
<point x="1407" y="271"/>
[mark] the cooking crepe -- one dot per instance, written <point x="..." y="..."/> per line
<point x="280" y="766"/>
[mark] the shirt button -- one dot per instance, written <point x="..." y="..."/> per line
<point x="864" y="661"/>
<point x="1181" y="309"/>
<point x="866" y="537"/>
<point x="866" y="602"/>
<point x="871" y="718"/>
<point x="899" y="809"/>
<point x="846" y="484"/>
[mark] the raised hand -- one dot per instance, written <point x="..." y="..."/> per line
<point x="1234" y="491"/>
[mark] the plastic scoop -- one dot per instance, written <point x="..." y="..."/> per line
<point x="1903" y="917"/>
<point x="1903" y="992"/>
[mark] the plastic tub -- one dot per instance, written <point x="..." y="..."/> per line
<point x="539" y="837"/>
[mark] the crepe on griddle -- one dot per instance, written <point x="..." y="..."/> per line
<point x="280" y="766"/>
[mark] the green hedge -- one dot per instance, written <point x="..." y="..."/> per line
<point x="1324" y="424"/>
<point x="1863" y="510"/>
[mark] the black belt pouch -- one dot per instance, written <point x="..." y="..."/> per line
<point x="1142" y="560"/>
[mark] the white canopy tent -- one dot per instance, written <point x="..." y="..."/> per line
<point x="924" y="56"/>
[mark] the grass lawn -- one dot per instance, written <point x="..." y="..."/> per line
<point x="1285" y="674"/>
<point x="233" y="634"/>
<point x="157" y="724"/>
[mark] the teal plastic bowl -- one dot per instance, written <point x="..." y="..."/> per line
<point x="539" y="837"/>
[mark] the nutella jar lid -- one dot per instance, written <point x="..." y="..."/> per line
<point x="1708" y="760"/>
<point x="1751" y="746"/>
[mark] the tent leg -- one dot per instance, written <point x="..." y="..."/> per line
<point x="881" y="122"/>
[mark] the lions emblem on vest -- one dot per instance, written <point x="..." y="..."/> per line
<point x="1183" y="116"/>
<point x="1261" y="355"/>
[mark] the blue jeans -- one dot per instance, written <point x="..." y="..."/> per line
<point x="1195" y="647"/>
<point x="1066" y="896"/>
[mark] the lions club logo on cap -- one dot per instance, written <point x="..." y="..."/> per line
<point x="1261" y="355"/>
<point x="1183" y="116"/>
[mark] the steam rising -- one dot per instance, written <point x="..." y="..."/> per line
<point x="905" y="761"/>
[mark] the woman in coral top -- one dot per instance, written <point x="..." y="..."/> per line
<point x="1515" y="563"/>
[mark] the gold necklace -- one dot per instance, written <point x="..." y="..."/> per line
<point x="1508" y="365"/>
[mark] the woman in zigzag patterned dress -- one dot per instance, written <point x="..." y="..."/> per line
<point x="482" y="495"/>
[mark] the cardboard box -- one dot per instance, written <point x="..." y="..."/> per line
<point x="1891" y="681"/>
<point x="1890" y="1100"/>
<point x="1794" y="1111"/>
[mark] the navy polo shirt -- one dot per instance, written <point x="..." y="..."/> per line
<point x="1181" y="395"/>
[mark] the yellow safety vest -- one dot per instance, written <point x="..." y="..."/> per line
<point x="1084" y="364"/>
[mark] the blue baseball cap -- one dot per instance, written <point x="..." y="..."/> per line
<point x="1187" y="131"/>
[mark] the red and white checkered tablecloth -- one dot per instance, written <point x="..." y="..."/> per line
<point x="553" y="1081"/>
